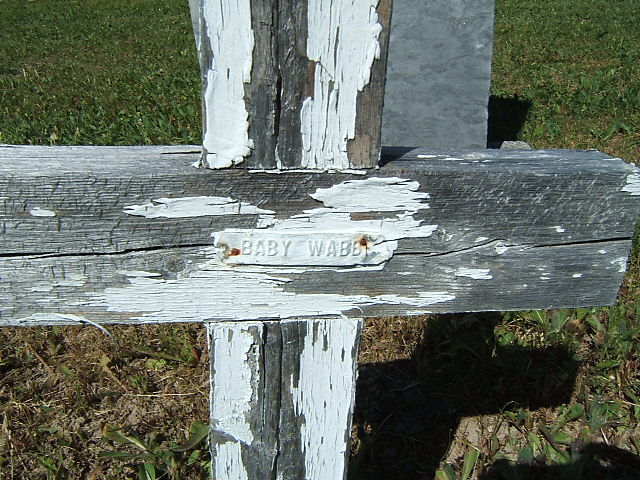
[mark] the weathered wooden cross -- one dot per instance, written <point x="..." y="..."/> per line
<point x="295" y="230"/>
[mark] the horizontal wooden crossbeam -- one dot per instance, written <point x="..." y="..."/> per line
<point x="137" y="234"/>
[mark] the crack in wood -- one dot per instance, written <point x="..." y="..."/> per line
<point x="501" y="243"/>
<point x="127" y="251"/>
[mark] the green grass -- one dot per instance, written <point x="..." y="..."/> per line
<point x="496" y="396"/>
<point x="98" y="73"/>
<point x="576" y="63"/>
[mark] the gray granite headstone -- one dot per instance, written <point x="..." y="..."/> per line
<point x="438" y="73"/>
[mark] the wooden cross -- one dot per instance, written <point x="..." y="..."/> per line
<point x="296" y="230"/>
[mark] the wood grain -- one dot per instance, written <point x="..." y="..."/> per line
<point x="508" y="230"/>
<point x="281" y="400"/>
<point x="284" y="76"/>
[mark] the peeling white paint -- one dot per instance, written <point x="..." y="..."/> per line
<point x="51" y="319"/>
<point x="138" y="273"/>
<point x="500" y="248"/>
<point x="42" y="288"/>
<point x="621" y="262"/>
<point x="343" y="41"/>
<point x="384" y="194"/>
<point x="235" y="351"/>
<point x="577" y="275"/>
<point x="237" y="295"/>
<point x="194" y="12"/>
<point x="559" y="229"/>
<point x="227" y="25"/>
<point x="476" y="156"/>
<point x="323" y="394"/>
<point x="481" y="239"/>
<point x="381" y="208"/>
<point x="233" y="382"/>
<point x="424" y="156"/>
<point x="228" y="462"/>
<point x="293" y="241"/>
<point x="633" y="184"/>
<point x="71" y="280"/>
<point x="475" y="273"/>
<point x="42" y="212"/>
<point x="280" y="171"/>
<point x="187" y="207"/>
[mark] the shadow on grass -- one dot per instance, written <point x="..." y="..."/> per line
<point x="594" y="461"/>
<point x="414" y="406"/>
<point x="506" y="118"/>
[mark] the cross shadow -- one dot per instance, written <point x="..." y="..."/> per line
<point x="407" y="410"/>
<point x="506" y="118"/>
<point x="595" y="461"/>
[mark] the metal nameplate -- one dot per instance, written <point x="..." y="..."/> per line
<point x="260" y="247"/>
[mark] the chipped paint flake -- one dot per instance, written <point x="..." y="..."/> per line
<point x="138" y="273"/>
<point x="280" y="171"/>
<point x="50" y="319"/>
<point x="559" y="229"/>
<point x="188" y="207"/>
<point x="324" y="389"/>
<point x="41" y="212"/>
<point x="621" y="263"/>
<point x="329" y="235"/>
<point x="384" y="194"/>
<point x="42" y="288"/>
<point x="475" y="273"/>
<point x="481" y="239"/>
<point x="227" y="462"/>
<point x="218" y="291"/>
<point x="577" y="275"/>
<point x="500" y="248"/>
<point x="476" y="156"/>
<point x="71" y="280"/>
<point x="234" y="385"/>
<point x="633" y="184"/>
<point x="229" y="36"/>
<point x="238" y="295"/>
<point x="343" y="42"/>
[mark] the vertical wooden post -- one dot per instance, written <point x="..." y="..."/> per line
<point x="288" y="84"/>
<point x="282" y="397"/>
<point x="292" y="83"/>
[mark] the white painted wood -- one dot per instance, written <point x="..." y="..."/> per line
<point x="343" y="41"/>
<point x="131" y="239"/>
<point x="282" y="397"/>
<point x="234" y="387"/>
<point x="291" y="84"/>
<point x="189" y="207"/>
<point x="229" y="34"/>
<point x="633" y="184"/>
<point x="324" y="395"/>
<point x="41" y="212"/>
